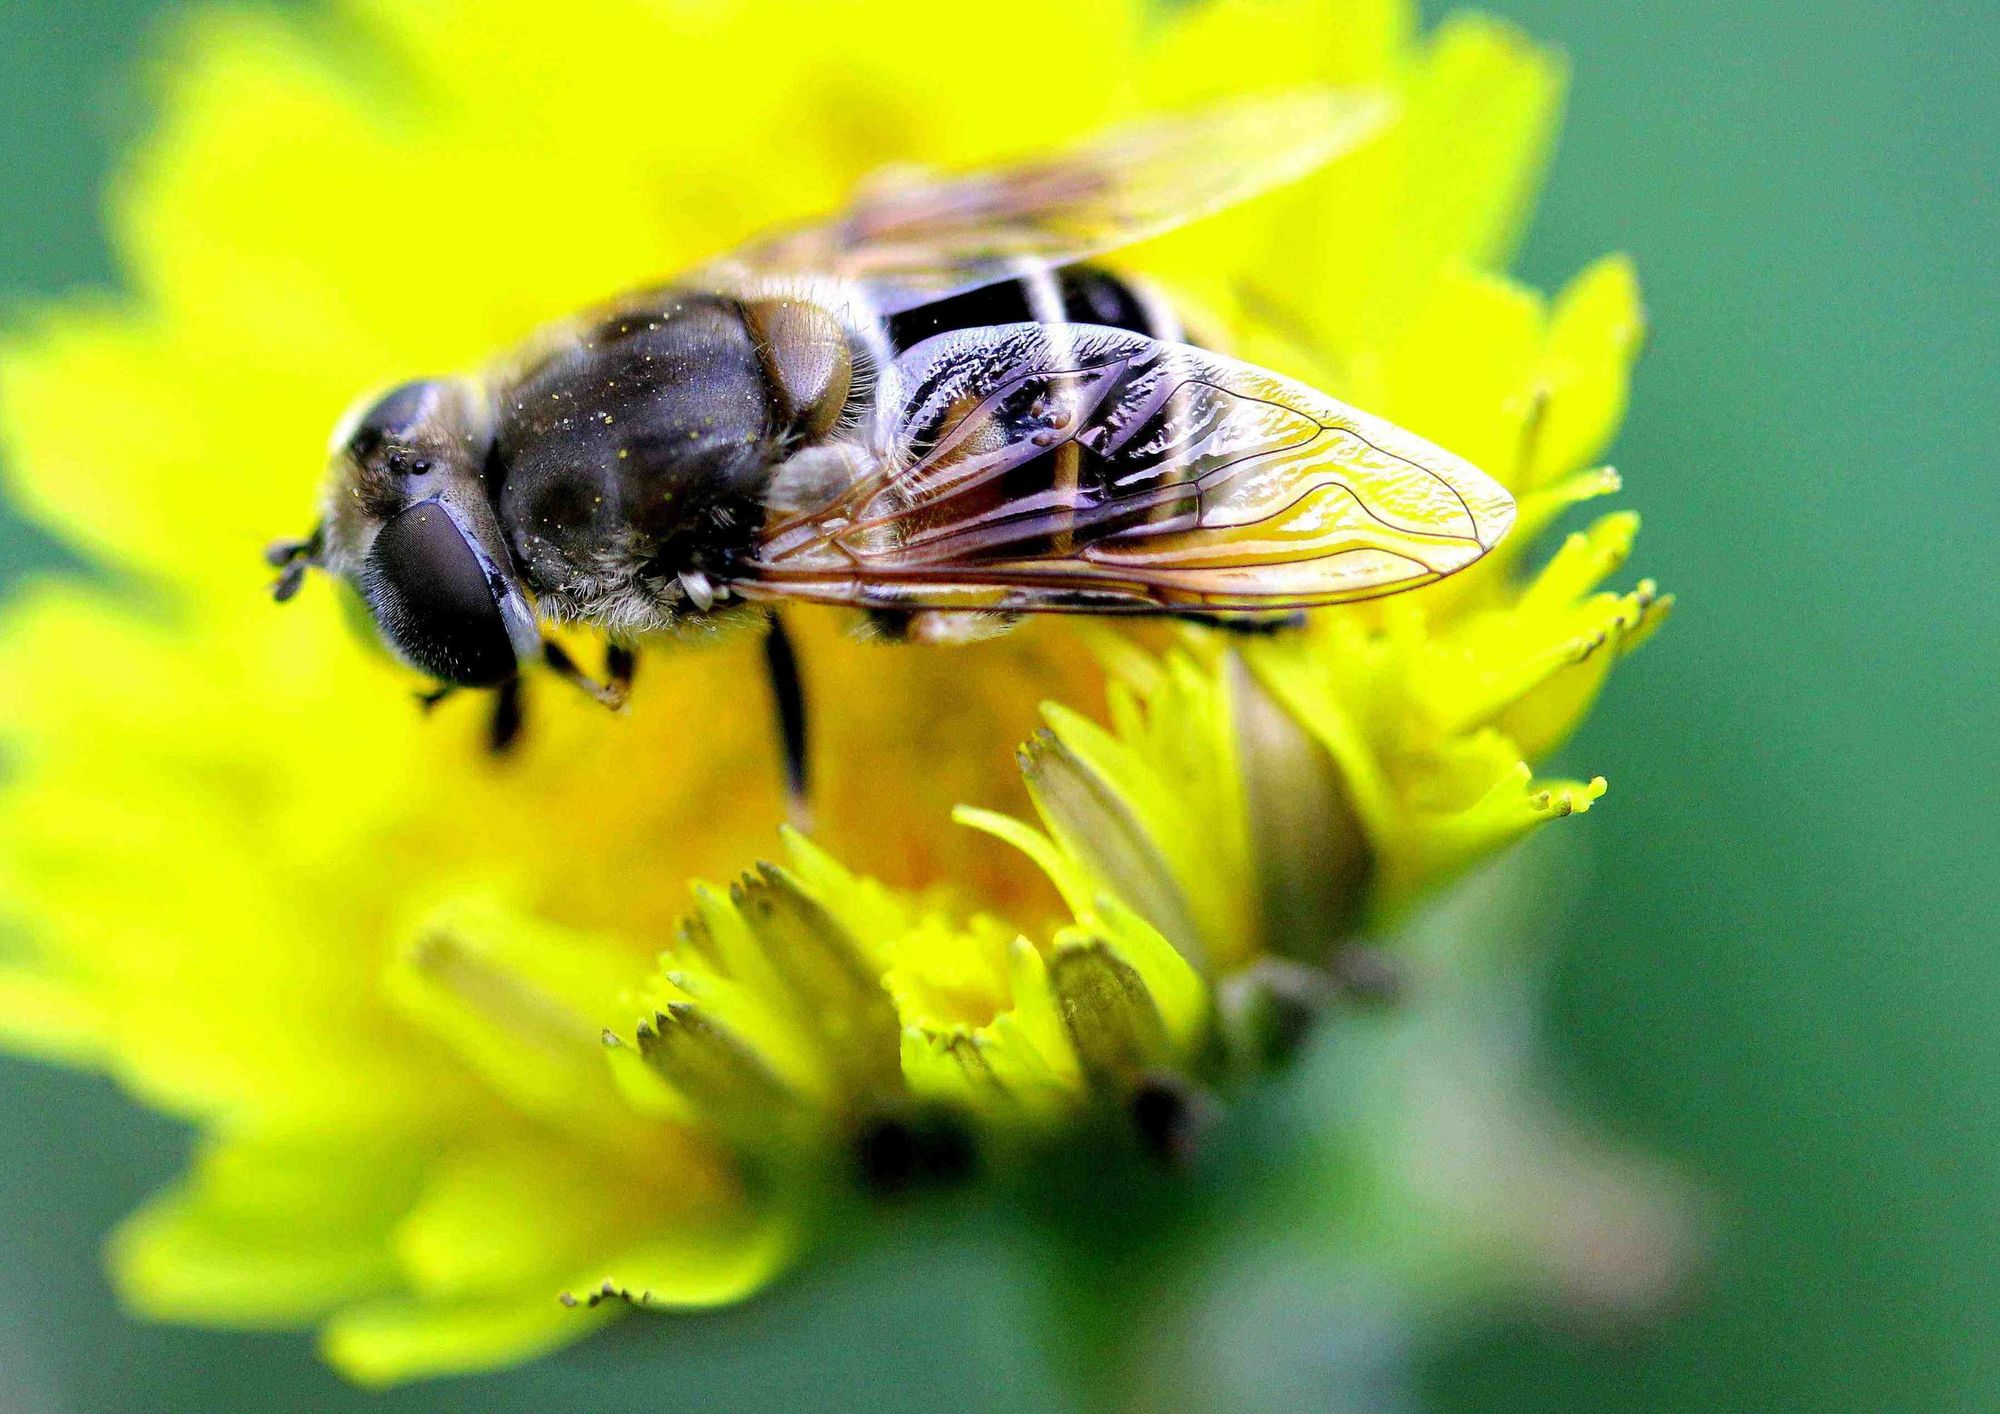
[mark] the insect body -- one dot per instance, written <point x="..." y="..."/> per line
<point x="932" y="408"/>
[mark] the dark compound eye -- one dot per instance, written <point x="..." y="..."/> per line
<point x="395" y="417"/>
<point x="432" y="600"/>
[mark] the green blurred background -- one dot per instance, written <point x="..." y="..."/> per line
<point x="1784" y="974"/>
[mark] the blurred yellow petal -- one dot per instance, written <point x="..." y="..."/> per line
<point x="1486" y="101"/>
<point x="49" y="1019"/>
<point x="1462" y="368"/>
<point x="1541" y="508"/>
<point x="1204" y="51"/>
<point x="691" y="1265"/>
<point x="383" y="1342"/>
<point x="508" y="1216"/>
<point x="269" y="1232"/>
<point x="521" y="1037"/>
<point x="1444" y="190"/>
<point x="1595" y="334"/>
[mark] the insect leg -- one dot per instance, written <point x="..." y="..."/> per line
<point x="887" y="625"/>
<point x="611" y="694"/>
<point x="1245" y="625"/>
<point x="621" y="664"/>
<point x="503" y="721"/>
<point x="503" y="727"/>
<point x="939" y="627"/>
<point x="788" y="695"/>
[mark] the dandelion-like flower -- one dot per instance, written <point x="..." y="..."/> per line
<point x="477" y="1059"/>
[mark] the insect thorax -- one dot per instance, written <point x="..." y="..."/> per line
<point x="634" y="447"/>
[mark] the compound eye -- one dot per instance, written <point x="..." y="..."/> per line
<point x="433" y="601"/>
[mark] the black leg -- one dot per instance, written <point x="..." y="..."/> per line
<point x="621" y="665"/>
<point x="890" y="625"/>
<point x="565" y="667"/>
<point x="1246" y="625"/>
<point x="788" y="695"/>
<point x="503" y="721"/>
<point x="503" y="728"/>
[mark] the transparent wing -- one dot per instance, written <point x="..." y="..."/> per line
<point x="922" y="240"/>
<point x="1051" y="467"/>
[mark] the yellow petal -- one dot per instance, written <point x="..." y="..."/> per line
<point x="504" y="1214"/>
<point x="1314" y="860"/>
<point x="268" y="1232"/>
<point x="1541" y="508"/>
<point x="50" y="1019"/>
<point x="1069" y="876"/>
<point x="1515" y="805"/>
<point x="1608" y="626"/>
<point x="727" y="1079"/>
<point x="1486" y="101"/>
<point x="1098" y="821"/>
<point x="468" y="985"/>
<point x="384" y="1342"/>
<point x="1595" y="335"/>
<point x="1204" y="51"/>
<point x="1177" y="989"/>
<point x="693" y="1264"/>
<point x="1461" y="370"/>
<point x="834" y="991"/>
<point x="1444" y="189"/>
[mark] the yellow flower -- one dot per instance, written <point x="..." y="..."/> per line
<point x="376" y="968"/>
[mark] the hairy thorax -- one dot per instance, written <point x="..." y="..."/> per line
<point x="633" y="449"/>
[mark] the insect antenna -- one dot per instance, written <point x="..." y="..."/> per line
<point x="291" y="559"/>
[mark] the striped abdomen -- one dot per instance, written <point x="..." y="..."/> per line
<point x="1076" y="294"/>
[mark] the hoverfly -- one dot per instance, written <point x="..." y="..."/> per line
<point x="932" y="408"/>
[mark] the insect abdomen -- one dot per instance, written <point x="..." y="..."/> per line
<point x="1075" y="294"/>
